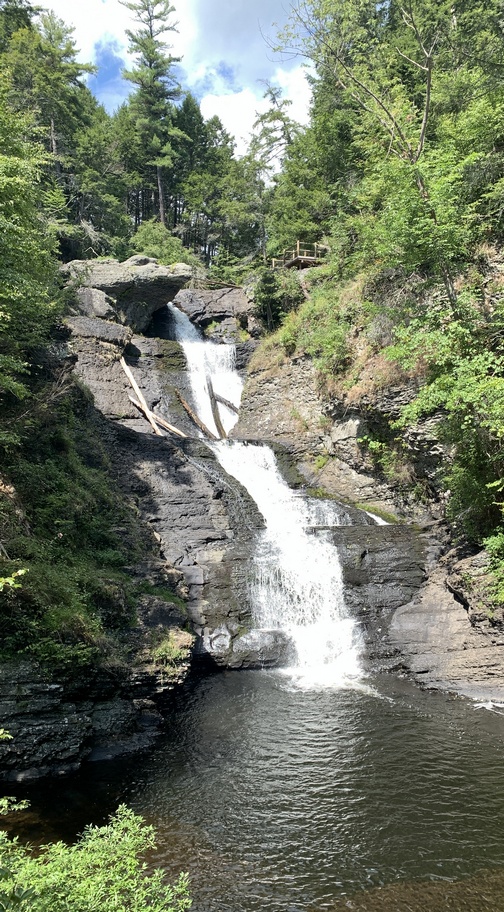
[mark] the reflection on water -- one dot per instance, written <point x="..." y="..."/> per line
<point x="482" y="893"/>
<point x="284" y="799"/>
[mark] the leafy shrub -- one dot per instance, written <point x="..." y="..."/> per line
<point x="154" y="240"/>
<point x="173" y="649"/>
<point x="495" y="547"/>
<point x="103" y="870"/>
<point x="321" y="328"/>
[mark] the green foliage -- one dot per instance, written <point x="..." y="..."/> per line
<point x="103" y="870"/>
<point x="154" y="240"/>
<point x="321" y="328"/>
<point x="495" y="547"/>
<point x="388" y="457"/>
<point x="75" y="539"/>
<point x="465" y="383"/>
<point x="12" y="582"/>
<point x="27" y="268"/>
<point x="276" y="293"/>
<point x="173" y="649"/>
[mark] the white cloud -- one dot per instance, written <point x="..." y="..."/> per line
<point x="238" y="110"/>
<point x="224" y="55"/>
<point x="97" y="21"/>
<point x="297" y="89"/>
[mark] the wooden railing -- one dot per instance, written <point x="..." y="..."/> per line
<point x="301" y="255"/>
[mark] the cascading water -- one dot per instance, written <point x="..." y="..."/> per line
<point x="298" y="583"/>
<point x="205" y="360"/>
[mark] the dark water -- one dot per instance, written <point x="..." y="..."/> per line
<point x="280" y="799"/>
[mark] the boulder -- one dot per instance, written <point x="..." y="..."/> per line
<point x="224" y="314"/>
<point x="131" y="291"/>
<point x="258" y="648"/>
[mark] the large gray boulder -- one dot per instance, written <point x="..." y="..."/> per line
<point x="224" y="314"/>
<point x="129" y="292"/>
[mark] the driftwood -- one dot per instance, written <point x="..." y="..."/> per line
<point x="193" y="416"/>
<point x="227" y="403"/>
<point x="144" y="407"/>
<point x="161" y="421"/>
<point x="215" y="410"/>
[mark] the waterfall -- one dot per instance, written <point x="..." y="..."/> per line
<point x="208" y="359"/>
<point x="297" y="585"/>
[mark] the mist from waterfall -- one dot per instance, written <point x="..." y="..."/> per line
<point x="297" y="585"/>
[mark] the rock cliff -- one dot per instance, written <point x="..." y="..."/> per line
<point x="420" y="600"/>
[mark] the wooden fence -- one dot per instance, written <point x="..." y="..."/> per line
<point x="300" y="256"/>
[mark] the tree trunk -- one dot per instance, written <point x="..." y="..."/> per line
<point x="162" y="212"/>
<point x="54" y="150"/>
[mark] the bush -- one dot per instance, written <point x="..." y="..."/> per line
<point x="275" y="295"/>
<point x="102" y="871"/>
<point x="154" y="240"/>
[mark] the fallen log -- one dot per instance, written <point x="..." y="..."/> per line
<point x="193" y="416"/>
<point x="161" y="421"/>
<point x="215" y="410"/>
<point x="144" y="407"/>
<point x="227" y="403"/>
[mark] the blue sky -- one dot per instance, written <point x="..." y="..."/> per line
<point x="225" y="58"/>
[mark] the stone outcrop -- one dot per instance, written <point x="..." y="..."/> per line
<point x="282" y="406"/>
<point x="204" y="520"/>
<point x="438" y="645"/>
<point x="129" y="292"/>
<point x="56" y="725"/>
<point x="225" y="314"/>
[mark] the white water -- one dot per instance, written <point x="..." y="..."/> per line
<point x="207" y="359"/>
<point x="298" y="584"/>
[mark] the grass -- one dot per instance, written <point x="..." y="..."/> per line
<point x="64" y="521"/>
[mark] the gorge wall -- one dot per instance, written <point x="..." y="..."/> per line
<point x="416" y="597"/>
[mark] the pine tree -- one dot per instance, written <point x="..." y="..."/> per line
<point x="156" y="87"/>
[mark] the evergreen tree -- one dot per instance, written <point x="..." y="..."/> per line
<point x="156" y="88"/>
<point x="14" y="14"/>
<point x="27" y="266"/>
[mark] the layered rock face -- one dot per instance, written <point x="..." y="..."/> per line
<point x="419" y="601"/>
<point x="203" y="519"/>
<point x="100" y="714"/>
<point x="129" y="292"/>
<point x="399" y="579"/>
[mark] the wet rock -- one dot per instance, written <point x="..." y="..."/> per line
<point x="254" y="649"/>
<point x="383" y="566"/>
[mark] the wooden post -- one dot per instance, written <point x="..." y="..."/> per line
<point x="194" y="417"/>
<point x="215" y="410"/>
<point x="146" y="410"/>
